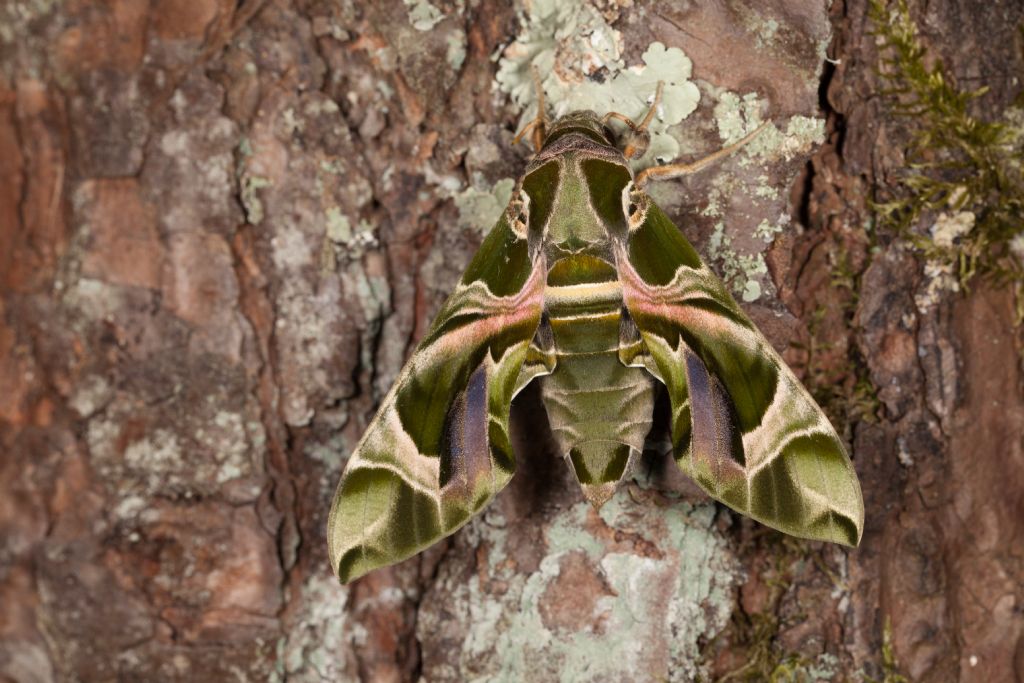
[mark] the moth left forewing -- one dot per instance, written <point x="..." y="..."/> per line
<point x="439" y="448"/>
<point x="743" y="425"/>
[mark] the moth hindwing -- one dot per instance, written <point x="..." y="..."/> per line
<point x="587" y="287"/>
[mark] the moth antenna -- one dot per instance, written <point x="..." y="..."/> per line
<point x="539" y="125"/>
<point x="678" y="170"/>
<point x="654" y="107"/>
<point x="526" y="129"/>
<point x="620" y="117"/>
<point x="639" y="138"/>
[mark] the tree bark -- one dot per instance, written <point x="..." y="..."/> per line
<point x="223" y="227"/>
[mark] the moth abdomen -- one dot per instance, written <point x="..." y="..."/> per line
<point x="600" y="413"/>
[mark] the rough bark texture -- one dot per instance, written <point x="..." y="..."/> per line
<point x="222" y="228"/>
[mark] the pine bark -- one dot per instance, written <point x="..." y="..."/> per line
<point x="223" y="227"/>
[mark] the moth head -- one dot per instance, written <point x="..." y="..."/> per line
<point x="583" y="122"/>
<point x="634" y="142"/>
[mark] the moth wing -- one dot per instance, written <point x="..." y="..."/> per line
<point x="438" y="448"/>
<point x="743" y="427"/>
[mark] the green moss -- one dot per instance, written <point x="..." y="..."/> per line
<point x="961" y="196"/>
<point x="890" y="667"/>
<point x="757" y="633"/>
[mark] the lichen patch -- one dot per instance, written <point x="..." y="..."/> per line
<point x="580" y="60"/>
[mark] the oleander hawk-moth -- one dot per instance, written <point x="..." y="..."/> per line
<point x="585" y="285"/>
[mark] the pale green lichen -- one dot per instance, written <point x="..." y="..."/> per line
<point x="339" y="229"/>
<point x="333" y="452"/>
<point x="342" y="242"/>
<point x="456" y="54"/>
<point x="508" y="635"/>
<point x="802" y="134"/>
<point x="767" y="231"/>
<point x="743" y="273"/>
<point x="564" y="533"/>
<point x="289" y="248"/>
<point x="825" y="667"/>
<point x="480" y="207"/>
<point x="231" y="440"/>
<point x="250" y="196"/>
<point x="307" y="317"/>
<point x="313" y="650"/>
<point x="766" y="32"/>
<point x="798" y="669"/>
<point x="949" y="227"/>
<point x="569" y="42"/>
<point x="765" y="191"/>
<point x="17" y="17"/>
<point x="348" y="241"/>
<point x="130" y="507"/>
<point x="570" y="34"/>
<point x="90" y="395"/>
<point x="372" y="293"/>
<point x="158" y="455"/>
<point x="744" y="269"/>
<point x="207" y="446"/>
<point x="714" y="199"/>
<point x="422" y="15"/>
<point x="736" y="116"/>
<point x="290" y="122"/>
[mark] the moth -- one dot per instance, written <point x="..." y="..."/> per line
<point x="586" y="286"/>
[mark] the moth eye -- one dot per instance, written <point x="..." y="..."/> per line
<point x="518" y="213"/>
<point x="634" y="204"/>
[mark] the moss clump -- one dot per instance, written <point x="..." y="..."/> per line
<point x="964" y="178"/>
<point x="757" y="633"/>
<point x="890" y="667"/>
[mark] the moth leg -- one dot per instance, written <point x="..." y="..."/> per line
<point x="632" y="352"/>
<point x="539" y="125"/>
<point x="679" y="170"/>
<point x="638" y="138"/>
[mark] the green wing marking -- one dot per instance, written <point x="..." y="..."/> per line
<point x="438" y="449"/>
<point x="742" y="424"/>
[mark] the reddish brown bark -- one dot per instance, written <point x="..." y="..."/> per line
<point x="184" y="354"/>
